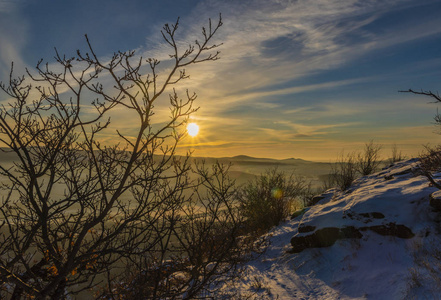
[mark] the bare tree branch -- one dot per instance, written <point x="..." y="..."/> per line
<point x="76" y="208"/>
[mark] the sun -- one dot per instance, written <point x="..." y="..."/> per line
<point x="192" y="129"/>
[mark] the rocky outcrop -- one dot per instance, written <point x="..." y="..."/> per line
<point x="327" y="236"/>
<point x="392" y="229"/>
<point x="324" y="237"/>
<point x="316" y="199"/>
<point x="305" y="228"/>
<point x="362" y="217"/>
<point x="393" y="202"/>
<point x="435" y="200"/>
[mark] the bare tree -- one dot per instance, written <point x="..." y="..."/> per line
<point x="368" y="160"/>
<point x="431" y="160"/>
<point x="430" y="94"/>
<point x="204" y="250"/>
<point x="74" y="208"/>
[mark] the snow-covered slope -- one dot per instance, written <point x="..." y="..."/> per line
<point x="373" y="263"/>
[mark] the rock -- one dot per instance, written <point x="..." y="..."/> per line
<point x="316" y="199"/>
<point x="327" y="236"/>
<point x="305" y="228"/>
<point x="375" y="215"/>
<point x="435" y="200"/>
<point x="388" y="177"/>
<point x="323" y="237"/>
<point x="362" y="217"/>
<point x="392" y="229"/>
<point x="350" y="232"/>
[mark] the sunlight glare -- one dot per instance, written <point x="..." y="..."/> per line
<point x="192" y="129"/>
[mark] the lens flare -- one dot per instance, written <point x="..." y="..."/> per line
<point x="277" y="193"/>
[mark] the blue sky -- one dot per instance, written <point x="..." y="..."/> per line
<point x="303" y="79"/>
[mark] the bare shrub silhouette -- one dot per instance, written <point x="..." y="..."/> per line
<point x="270" y="199"/>
<point x="368" y="160"/>
<point x="347" y="167"/>
<point x="343" y="172"/>
<point x="397" y="155"/>
<point x="430" y="162"/>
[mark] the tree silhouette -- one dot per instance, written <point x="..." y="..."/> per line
<point x="75" y="207"/>
<point x="431" y="160"/>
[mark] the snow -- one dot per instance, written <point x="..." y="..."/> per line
<point x="373" y="267"/>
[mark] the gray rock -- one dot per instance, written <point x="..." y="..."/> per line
<point x="305" y="228"/>
<point x="435" y="200"/>
<point x="327" y="236"/>
<point x="323" y="237"/>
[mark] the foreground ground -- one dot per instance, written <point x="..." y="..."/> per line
<point x="372" y="266"/>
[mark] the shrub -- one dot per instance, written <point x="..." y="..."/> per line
<point x="368" y="160"/>
<point x="396" y="155"/>
<point x="343" y="172"/>
<point x="430" y="162"/>
<point x="270" y="199"/>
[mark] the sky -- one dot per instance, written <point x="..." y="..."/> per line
<point x="296" y="79"/>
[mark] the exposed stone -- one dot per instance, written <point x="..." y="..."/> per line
<point x="316" y="199"/>
<point x="323" y="237"/>
<point x="362" y="217"/>
<point x="435" y="200"/>
<point x="405" y="171"/>
<point x="393" y="229"/>
<point x="350" y="232"/>
<point x="375" y="215"/>
<point x="348" y="214"/>
<point x="305" y="228"/>
<point x="388" y="177"/>
<point x="327" y="236"/>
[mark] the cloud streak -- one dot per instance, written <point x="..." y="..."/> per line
<point x="291" y="72"/>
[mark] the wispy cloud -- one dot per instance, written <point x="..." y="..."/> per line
<point x="7" y="6"/>
<point x="13" y="33"/>
<point x="272" y="85"/>
<point x="269" y="43"/>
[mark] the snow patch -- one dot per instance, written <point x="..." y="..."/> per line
<point x="371" y="267"/>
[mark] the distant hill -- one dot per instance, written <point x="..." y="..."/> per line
<point x="242" y="157"/>
<point x="270" y="160"/>
<point x="250" y="158"/>
<point x="244" y="168"/>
